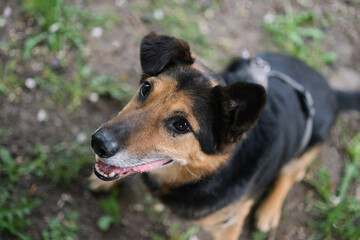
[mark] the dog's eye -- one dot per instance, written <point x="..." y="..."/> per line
<point x="145" y="89"/>
<point x="182" y="125"/>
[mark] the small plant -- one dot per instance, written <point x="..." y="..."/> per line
<point x="181" y="18"/>
<point x="338" y="216"/>
<point x="62" y="229"/>
<point x="106" y="85"/>
<point x="176" y="234"/>
<point x="15" y="171"/>
<point x="112" y="211"/>
<point x="14" y="211"/>
<point x="61" y="24"/>
<point x="298" y="35"/>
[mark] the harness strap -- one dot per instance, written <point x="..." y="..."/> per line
<point x="309" y="107"/>
<point x="261" y="71"/>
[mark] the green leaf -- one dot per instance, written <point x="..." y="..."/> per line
<point x="32" y="42"/>
<point x="104" y="222"/>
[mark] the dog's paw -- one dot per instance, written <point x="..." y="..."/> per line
<point x="267" y="217"/>
<point x="97" y="185"/>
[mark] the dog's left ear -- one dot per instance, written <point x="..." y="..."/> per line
<point x="240" y="106"/>
<point x="160" y="51"/>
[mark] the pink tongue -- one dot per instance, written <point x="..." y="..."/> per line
<point x="124" y="170"/>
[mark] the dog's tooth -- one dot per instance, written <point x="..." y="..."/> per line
<point x="112" y="174"/>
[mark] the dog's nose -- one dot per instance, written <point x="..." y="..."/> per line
<point x="104" y="143"/>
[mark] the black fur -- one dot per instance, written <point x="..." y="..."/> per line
<point x="225" y="112"/>
<point x="159" y="52"/>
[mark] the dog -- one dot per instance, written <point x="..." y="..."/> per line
<point x="209" y="144"/>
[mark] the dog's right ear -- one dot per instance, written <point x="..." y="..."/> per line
<point x="240" y="107"/>
<point x="160" y="51"/>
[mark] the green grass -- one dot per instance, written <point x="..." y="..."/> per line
<point x="61" y="24"/>
<point x="62" y="229"/>
<point x="59" y="36"/>
<point x="180" y="19"/>
<point x="174" y="232"/>
<point x="298" y="34"/>
<point x="15" y="205"/>
<point x="112" y="211"/>
<point x="337" y="215"/>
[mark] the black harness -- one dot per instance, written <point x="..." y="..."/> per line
<point x="261" y="72"/>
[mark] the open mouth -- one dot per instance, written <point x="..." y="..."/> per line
<point x="109" y="173"/>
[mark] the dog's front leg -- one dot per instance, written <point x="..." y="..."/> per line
<point x="227" y="223"/>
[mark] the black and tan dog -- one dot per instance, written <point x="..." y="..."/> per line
<point x="210" y="144"/>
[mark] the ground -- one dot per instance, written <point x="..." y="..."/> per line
<point x="38" y="117"/>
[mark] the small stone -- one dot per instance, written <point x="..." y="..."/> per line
<point x="94" y="97"/>
<point x="7" y="12"/>
<point x="120" y="3"/>
<point x="37" y="66"/>
<point x="81" y="137"/>
<point x="97" y="32"/>
<point x="54" y="27"/>
<point x="159" y="207"/>
<point x="209" y="13"/>
<point x="66" y="197"/>
<point x="116" y="43"/>
<point x="12" y="97"/>
<point x="139" y="207"/>
<point x="146" y="18"/>
<point x="159" y="14"/>
<point x="194" y="237"/>
<point x="42" y="116"/>
<point x="335" y="199"/>
<point x="269" y="18"/>
<point x="55" y="63"/>
<point x="30" y="83"/>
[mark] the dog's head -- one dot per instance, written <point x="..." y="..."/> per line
<point x="181" y="116"/>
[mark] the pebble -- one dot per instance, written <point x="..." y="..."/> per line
<point x="194" y="237"/>
<point x="116" y="43"/>
<point x="94" y="97"/>
<point x="120" y="3"/>
<point x="159" y="207"/>
<point x="7" y="12"/>
<point x="159" y="14"/>
<point x="55" y="63"/>
<point x="42" y="116"/>
<point x="97" y="32"/>
<point x="139" y="207"/>
<point x="81" y="137"/>
<point x="30" y="83"/>
<point x="269" y="18"/>
<point x="54" y="27"/>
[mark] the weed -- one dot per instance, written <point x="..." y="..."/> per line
<point x="259" y="235"/>
<point x="298" y="35"/>
<point x="106" y="85"/>
<point x="62" y="229"/>
<point x="176" y="234"/>
<point x="61" y="24"/>
<point x="64" y="161"/>
<point x="14" y="211"/>
<point x="174" y="18"/>
<point x="14" y="170"/>
<point x="112" y="211"/>
<point x="338" y="217"/>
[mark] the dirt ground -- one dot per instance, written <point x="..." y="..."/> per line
<point x="116" y="52"/>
